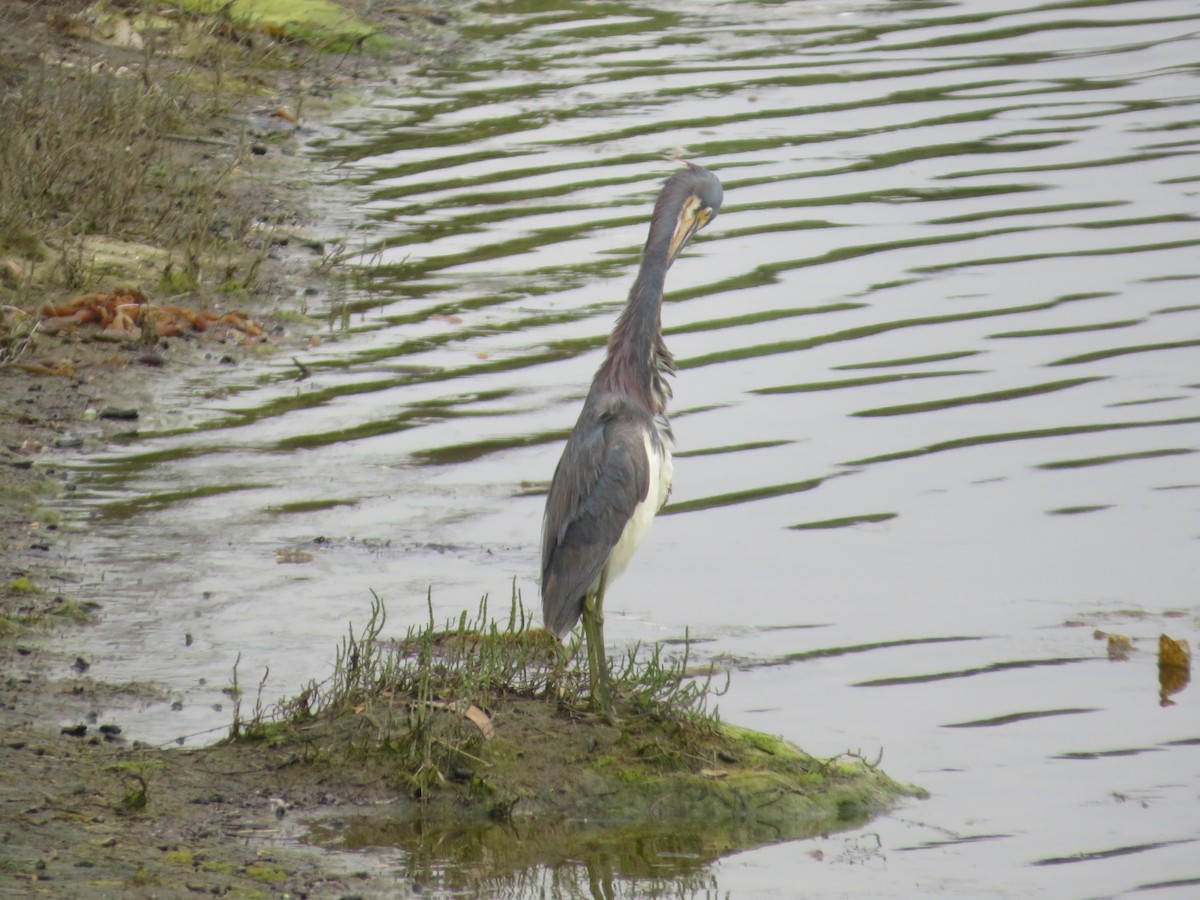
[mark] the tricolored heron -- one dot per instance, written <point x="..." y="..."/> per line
<point x="615" y="472"/>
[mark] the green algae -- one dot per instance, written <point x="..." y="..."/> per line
<point x="318" y="22"/>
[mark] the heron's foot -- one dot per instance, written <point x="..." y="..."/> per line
<point x="601" y="705"/>
<point x="610" y="717"/>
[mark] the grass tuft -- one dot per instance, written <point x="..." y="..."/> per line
<point x="426" y="698"/>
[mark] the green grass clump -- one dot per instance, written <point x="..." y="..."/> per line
<point x="491" y="721"/>
<point x="123" y="162"/>
<point x="479" y="659"/>
<point x="136" y="775"/>
<point x="182" y="857"/>
<point x="425" y="700"/>
<point x="93" y="155"/>
<point x="266" y="873"/>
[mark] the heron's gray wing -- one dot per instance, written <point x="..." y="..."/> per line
<point x="603" y="474"/>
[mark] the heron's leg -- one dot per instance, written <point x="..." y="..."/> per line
<point x="593" y="631"/>
<point x="563" y="655"/>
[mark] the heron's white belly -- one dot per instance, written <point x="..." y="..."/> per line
<point x="661" y="470"/>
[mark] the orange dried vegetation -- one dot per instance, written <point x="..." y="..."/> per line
<point x="123" y="314"/>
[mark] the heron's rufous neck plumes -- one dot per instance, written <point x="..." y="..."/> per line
<point x="638" y="360"/>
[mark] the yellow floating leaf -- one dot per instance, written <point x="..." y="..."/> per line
<point x="1119" y="646"/>
<point x="1174" y="668"/>
<point x="1173" y="653"/>
<point x="294" y="557"/>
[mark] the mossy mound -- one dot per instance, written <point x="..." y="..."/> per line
<point x="319" y="22"/>
<point x="661" y="771"/>
<point x="641" y="799"/>
<point x="469" y="727"/>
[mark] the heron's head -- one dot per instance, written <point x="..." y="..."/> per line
<point x="694" y="196"/>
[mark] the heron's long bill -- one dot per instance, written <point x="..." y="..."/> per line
<point x="692" y="218"/>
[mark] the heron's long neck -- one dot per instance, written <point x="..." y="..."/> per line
<point x="638" y="361"/>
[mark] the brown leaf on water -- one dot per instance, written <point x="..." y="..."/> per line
<point x="1174" y="668"/>
<point x="1173" y="653"/>
<point x="295" y="557"/>
<point x="1119" y="646"/>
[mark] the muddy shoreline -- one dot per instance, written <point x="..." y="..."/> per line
<point x="83" y="811"/>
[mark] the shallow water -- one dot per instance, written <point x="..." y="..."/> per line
<point x="938" y="413"/>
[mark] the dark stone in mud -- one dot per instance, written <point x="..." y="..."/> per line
<point x="122" y="415"/>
